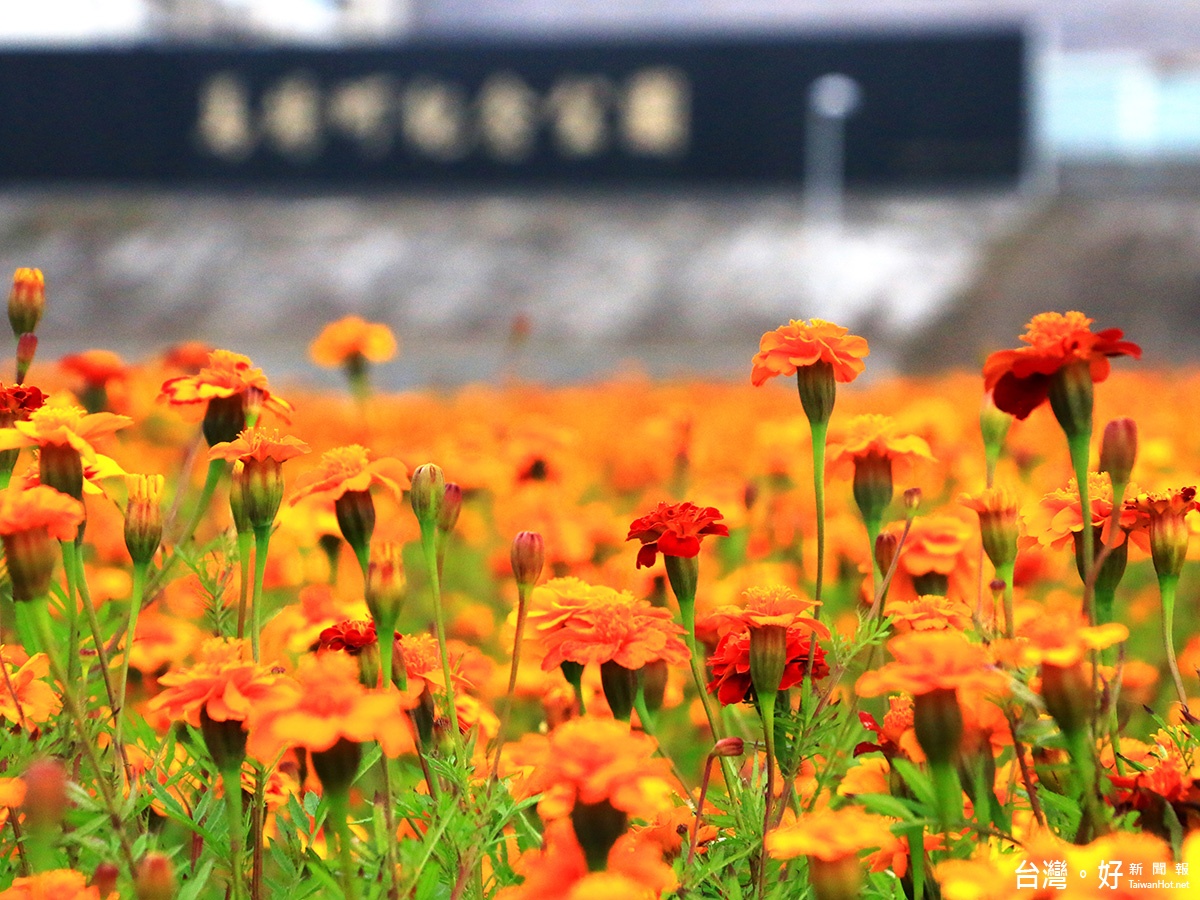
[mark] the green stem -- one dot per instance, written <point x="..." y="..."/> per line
<point x="339" y="811"/>
<point x="1080" y="447"/>
<point x="262" y="540"/>
<point x="245" y="546"/>
<point x="1005" y="573"/>
<point x="71" y="610"/>
<point x="1082" y="751"/>
<point x="135" y="607"/>
<point x="819" y="435"/>
<point x="391" y="882"/>
<point x="216" y="468"/>
<point x="522" y="604"/>
<point x="39" y="612"/>
<point x="766" y="705"/>
<point x="874" y="526"/>
<point x="429" y="546"/>
<point x="232" y="781"/>
<point x="85" y="597"/>
<point x="948" y="792"/>
<point x="1166" y="588"/>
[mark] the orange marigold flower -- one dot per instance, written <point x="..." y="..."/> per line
<point x="936" y="558"/>
<point x="1020" y="379"/>
<point x="62" y="426"/>
<point x="259" y="445"/>
<point x="1162" y="516"/>
<point x="800" y="343"/>
<point x="1058" y="640"/>
<point x="874" y="436"/>
<point x="1055" y="519"/>
<point x="674" y="529"/>
<point x="896" y="736"/>
<point x="929" y="612"/>
<point x="94" y="367"/>
<point x="590" y="761"/>
<point x="223" y="683"/>
<point x="40" y="507"/>
<point x="831" y="835"/>
<point x="775" y="605"/>
<point x="226" y="375"/>
<point x="341" y="341"/>
<point x="26" y="699"/>
<point x="350" y="468"/>
<point x="57" y="884"/>
<point x="586" y="624"/>
<point x="925" y="661"/>
<point x="327" y="703"/>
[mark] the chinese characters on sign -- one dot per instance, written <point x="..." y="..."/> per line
<point x="1110" y="875"/>
<point x="647" y="114"/>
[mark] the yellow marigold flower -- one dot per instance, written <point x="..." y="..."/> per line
<point x="342" y="341"/>
<point x="347" y="469"/>
<point x="1054" y="520"/>
<point x="62" y="426"/>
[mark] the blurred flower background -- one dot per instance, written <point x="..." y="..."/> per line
<point x="567" y="280"/>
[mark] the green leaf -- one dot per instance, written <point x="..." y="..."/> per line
<point x="918" y="782"/>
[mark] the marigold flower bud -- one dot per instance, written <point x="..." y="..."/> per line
<point x="428" y="493"/>
<point x="994" y="424"/>
<point x="26" y="301"/>
<point x="912" y="501"/>
<point x="30" y="555"/>
<point x="730" y="746"/>
<point x="46" y="801"/>
<point x="386" y="585"/>
<point x="528" y="555"/>
<point x="768" y="657"/>
<point x="337" y="766"/>
<point x="452" y="500"/>
<point x="818" y="390"/>
<point x="155" y="877"/>
<point x="104" y="879"/>
<point x="237" y="499"/>
<point x="355" y="512"/>
<point x="27" y="345"/>
<point x="143" y="517"/>
<point x="997" y="508"/>
<point x="872" y="485"/>
<point x="1118" y="449"/>
<point x="597" y="827"/>
<point x="886" y="546"/>
<point x="262" y="491"/>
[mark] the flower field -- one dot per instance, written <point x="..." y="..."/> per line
<point x="807" y="635"/>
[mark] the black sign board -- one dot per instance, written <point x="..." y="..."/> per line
<point x="932" y="109"/>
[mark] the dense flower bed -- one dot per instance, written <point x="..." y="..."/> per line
<point x="620" y="640"/>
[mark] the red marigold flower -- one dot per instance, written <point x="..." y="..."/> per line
<point x="352" y="636"/>
<point x="674" y="529"/>
<point x="19" y="401"/>
<point x="1020" y="378"/>
<point x="730" y="664"/>
<point x="800" y="343"/>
